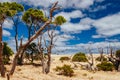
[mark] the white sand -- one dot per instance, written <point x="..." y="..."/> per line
<point x="29" y="72"/>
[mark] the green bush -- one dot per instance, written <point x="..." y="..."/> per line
<point x="6" y="60"/>
<point x="65" y="70"/>
<point x="65" y="58"/>
<point x="7" y="52"/>
<point x="105" y="66"/>
<point x="100" y="58"/>
<point x="118" y="53"/>
<point x="79" y="57"/>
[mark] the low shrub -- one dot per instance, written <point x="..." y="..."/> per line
<point x="65" y="58"/>
<point x="105" y="66"/>
<point x="100" y="58"/>
<point x="6" y="60"/>
<point x="79" y="57"/>
<point x="65" y="70"/>
<point x="117" y="53"/>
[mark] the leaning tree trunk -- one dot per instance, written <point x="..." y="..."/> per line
<point x="1" y="51"/>
<point x="22" y="47"/>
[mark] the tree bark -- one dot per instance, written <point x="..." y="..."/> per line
<point x="1" y="52"/>
<point x="48" y="63"/>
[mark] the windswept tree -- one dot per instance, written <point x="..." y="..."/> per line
<point x="33" y="37"/>
<point x="33" y="18"/>
<point x="6" y="10"/>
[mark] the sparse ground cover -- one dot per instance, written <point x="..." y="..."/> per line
<point x="30" y="72"/>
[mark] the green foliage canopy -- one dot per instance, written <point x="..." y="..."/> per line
<point x="79" y="57"/>
<point x="105" y="66"/>
<point x="59" y="20"/>
<point x="9" y="9"/>
<point x="32" y="15"/>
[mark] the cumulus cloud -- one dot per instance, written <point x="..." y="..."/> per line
<point x="6" y="33"/>
<point x="69" y="15"/>
<point x="108" y="26"/>
<point x="84" y="24"/>
<point x="8" y="24"/>
<point x="99" y="0"/>
<point x="83" y="47"/>
<point x="11" y="42"/>
<point x="63" y="3"/>
<point x="105" y="27"/>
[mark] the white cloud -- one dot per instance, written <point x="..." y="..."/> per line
<point x="83" y="47"/>
<point x="94" y="46"/>
<point x="62" y="39"/>
<point x="6" y="33"/>
<point x="99" y="0"/>
<point x="11" y="42"/>
<point x="98" y="8"/>
<point x="63" y="3"/>
<point x="98" y="36"/>
<point x="69" y="15"/>
<point x="109" y="25"/>
<point x="8" y="24"/>
<point x="84" y="24"/>
<point x="105" y="27"/>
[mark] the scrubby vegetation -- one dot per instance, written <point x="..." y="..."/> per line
<point x="65" y="58"/>
<point x="65" y="70"/>
<point x="7" y="52"/>
<point x="105" y="66"/>
<point x="118" y="53"/>
<point x="79" y="57"/>
<point x="101" y="58"/>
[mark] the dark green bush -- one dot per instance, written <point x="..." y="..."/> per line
<point x="105" y="66"/>
<point x="118" y="53"/>
<point x="6" y="60"/>
<point x="7" y="52"/>
<point x="79" y="57"/>
<point x="65" y="58"/>
<point x="65" y="70"/>
<point x="100" y="58"/>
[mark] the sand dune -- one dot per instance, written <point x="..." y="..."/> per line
<point x="30" y="72"/>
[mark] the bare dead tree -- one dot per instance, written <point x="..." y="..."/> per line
<point x="91" y="65"/>
<point x="51" y="35"/>
<point x="100" y="50"/>
<point x="113" y="58"/>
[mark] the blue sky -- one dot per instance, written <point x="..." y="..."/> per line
<point x="88" y="21"/>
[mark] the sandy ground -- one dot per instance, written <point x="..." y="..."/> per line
<point x="30" y="72"/>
